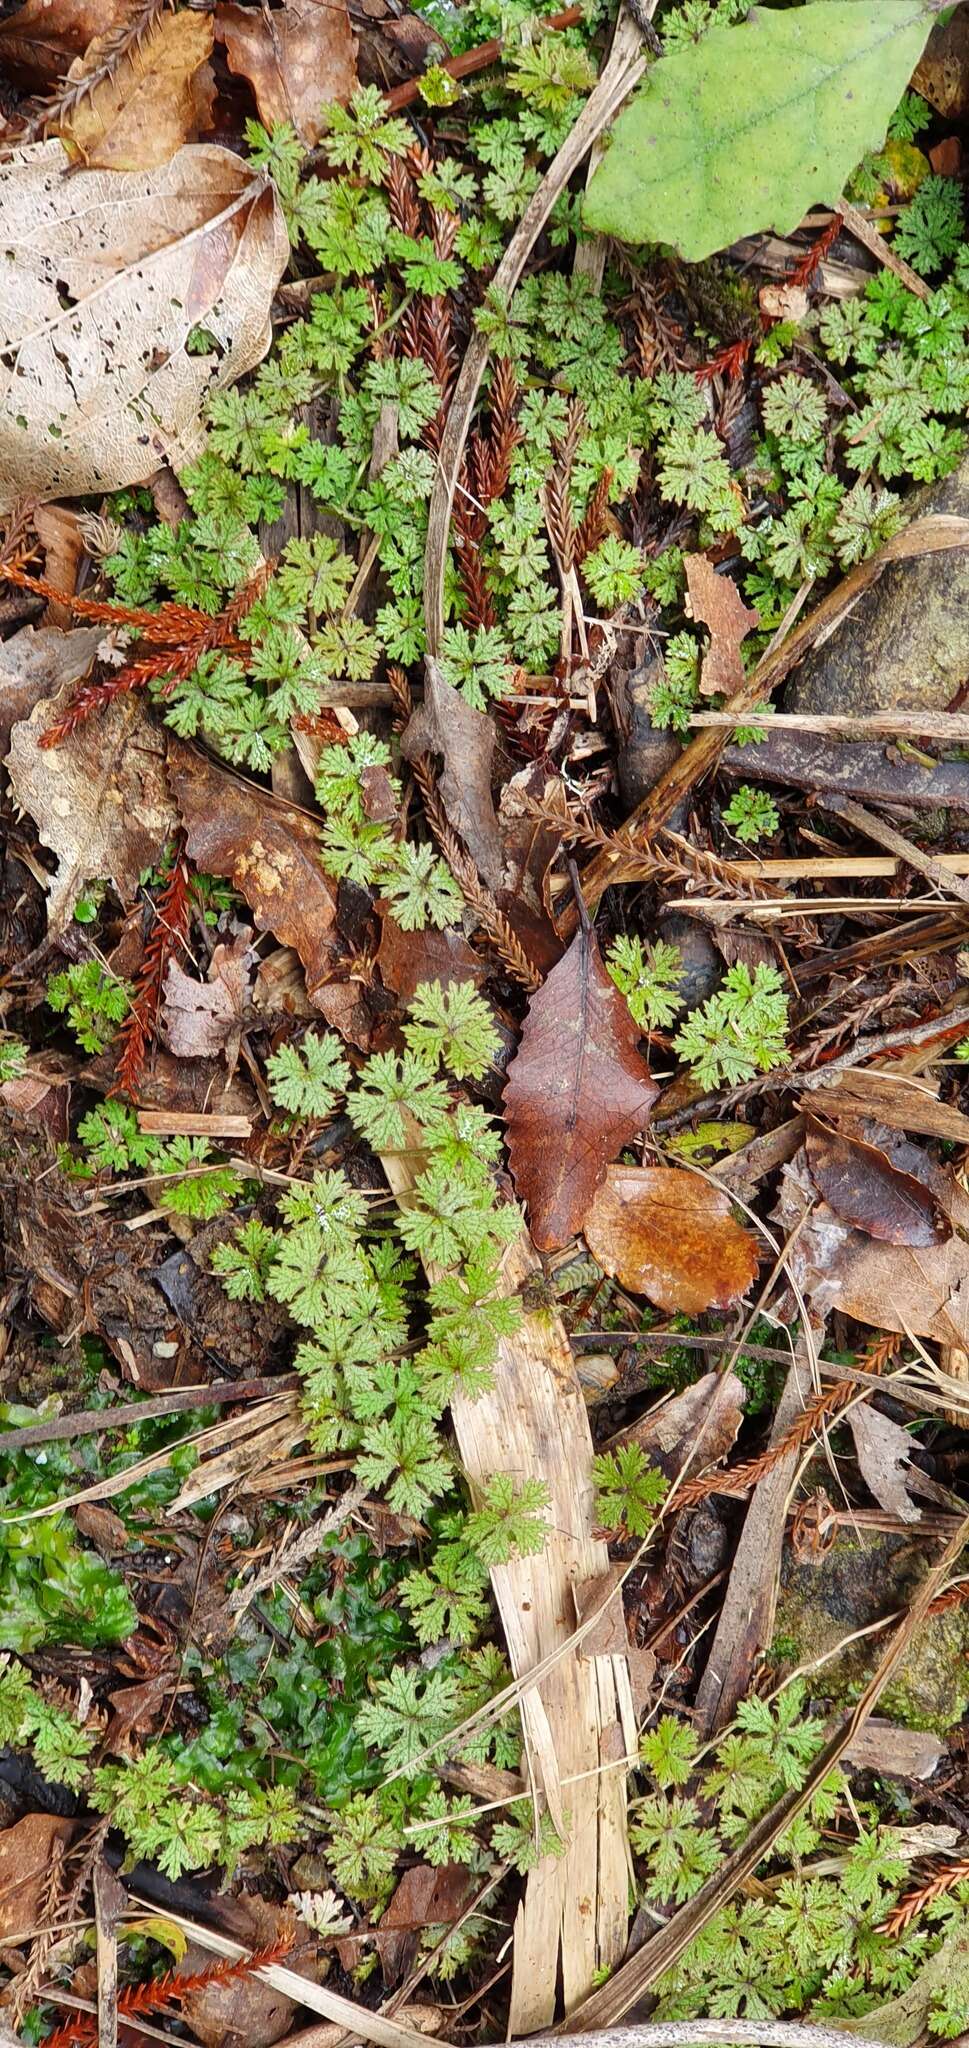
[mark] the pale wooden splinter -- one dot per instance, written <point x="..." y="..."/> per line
<point x="578" y="1722"/>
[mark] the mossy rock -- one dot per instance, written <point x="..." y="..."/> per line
<point x="905" y="644"/>
<point x="858" y="1581"/>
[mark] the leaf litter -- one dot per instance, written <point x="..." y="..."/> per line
<point x="514" y="1305"/>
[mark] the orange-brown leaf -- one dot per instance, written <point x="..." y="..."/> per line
<point x="716" y="603"/>
<point x="141" y="111"/>
<point x="667" y="1234"/>
<point x="578" y="1090"/>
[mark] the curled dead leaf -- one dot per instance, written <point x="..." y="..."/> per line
<point x="446" y="724"/>
<point x="110" y="272"/>
<point x="883" y="1452"/>
<point x="915" y="1291"/>
<point x="40" y="661"/>
<point x="577" y="1090"/>
<point x="204" y="1018"/>
<point x="671" y="1236"/>
<point x="859" y="1182"/>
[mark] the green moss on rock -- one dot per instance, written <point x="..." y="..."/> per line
<point x="861" y="1580"/>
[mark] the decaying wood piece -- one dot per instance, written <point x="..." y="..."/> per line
<point x="573" y="1918"/>
<point x="747" y="1614"/>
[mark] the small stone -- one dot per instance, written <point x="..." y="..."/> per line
<point x="905" y="643"/>
<point x="702" y="965"/>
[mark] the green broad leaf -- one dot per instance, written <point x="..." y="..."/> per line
<point x="749" y="127"/>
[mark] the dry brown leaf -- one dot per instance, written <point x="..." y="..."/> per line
<point x="100" y="801"/>
<point x="40" y="41"/>
<point x="902" y="1752"/>
<point x="902" y="1101"/>
<point x="405" y="959"/>
<point x="59" y="530"/>
<point x="861" y="1185"/>
<point x="530" y="845"/>
<point x="783" y="302"/>
<point x="942" y="73"/>
<point x="204" y="1018"/>
<point x="668" y="1234"/>
<point x="425" y="1897"/>
<point x="883" y="1453"/>
<point x="244" y="2008"/>
<point x="39" y="662"/>
<point x="161" y="96"/>
<point x="296" y="57"/>
<point x="700" y="1424"/>
<point x="27" y="1855"/>
<point x="577" y="1090"/>
<point x="717" y="604"/>
<point x="98" y="391"/>
<point x="445" y="724"/>
<point x="268" y="850"/>
<point x="889" y="1287"/>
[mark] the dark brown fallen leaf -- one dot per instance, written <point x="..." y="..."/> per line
<point x="27" y="1856"/>
<point x="100" y="801"/>
<point x="669" y="1235"/>
<point x="942" y="73"/>
<point x="185" y="1086"/>
<point x="142" y="110"/>
<point x="405" y="959"/>
<point x="102" y="1527"/>
<point x="883" y="1450"/>
<point x="862" y="1186"/>
<point x="577" y="1090"/>
<point x="445" y="724"/>
<point x="296" y="57"/>
<point x="717" y="604"/>
<point x="40" y="40"/>
<point x="425" y="1897"/>
<point x="269" y="851"/>
<point x="245" y="2008"/>
<point x="41" y="1098"/>
<point x="530" y="846"/>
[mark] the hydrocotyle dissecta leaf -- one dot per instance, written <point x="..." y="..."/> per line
<point x="751" y="126"/>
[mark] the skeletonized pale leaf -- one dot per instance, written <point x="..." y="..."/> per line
<point x="750" y="126"/>
<point x="105" y="275"/>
